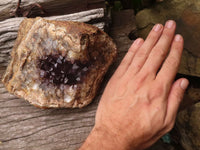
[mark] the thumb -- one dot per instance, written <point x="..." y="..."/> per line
<point x="175" y="98"/>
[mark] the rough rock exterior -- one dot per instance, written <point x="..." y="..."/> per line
<point x="188" y="123"/>
<point x="77" y="44"/>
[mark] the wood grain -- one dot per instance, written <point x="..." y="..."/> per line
<point x="25" y="127"/>
<point x="51" y="7"/>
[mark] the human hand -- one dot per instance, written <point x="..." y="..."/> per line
<point x="141" y="100"/>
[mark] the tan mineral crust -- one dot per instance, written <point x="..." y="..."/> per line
<point x="58" y="63"/>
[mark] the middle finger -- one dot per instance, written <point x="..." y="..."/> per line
<point x="143" y="52"/>
<point x="160" y="50"/>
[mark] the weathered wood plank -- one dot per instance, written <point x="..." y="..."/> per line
<point x="51" y="7"/>
<point x="23" y="126"/>
<point x="9" y="28"/>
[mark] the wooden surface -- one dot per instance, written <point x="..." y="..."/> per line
<point x="50" y="7"/>
<point x="25" y="127"/>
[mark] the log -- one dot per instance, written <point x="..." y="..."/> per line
<point x="9" y="28"/>
<point x="25" y="127"/>
<point x="48" y="7"/>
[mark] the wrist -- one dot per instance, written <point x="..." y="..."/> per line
<point x="100" y="138"/>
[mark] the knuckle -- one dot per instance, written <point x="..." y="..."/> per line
<point x="167" y="33"/>
<point x="172" y="61"/>
<point x="147" y="102"/>
<point x="177" y="95"/>
<point x="156" y="92"/>
<point x="141" y="76"/>
<point x="153" y="36"/>
<point x="139" y="82"/>
<point x="159" y="51"/>
<point x="177" y="46"/>
<point x="137" y="86"/>
<point x="149" y="72"/>
<point x="141" y="52"/>
<point x="136" y="66"/>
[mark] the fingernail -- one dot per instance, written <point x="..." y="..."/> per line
<point x="184" y="84"/>
<point x="169" y="24"/>
<point x="157" y="27"/>
<point x="137" y="41"/>
<point x="178" y="38"/>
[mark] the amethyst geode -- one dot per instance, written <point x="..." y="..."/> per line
<point x="58" y="63"/>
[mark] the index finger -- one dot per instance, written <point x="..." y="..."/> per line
<point x="170" y="66"/>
